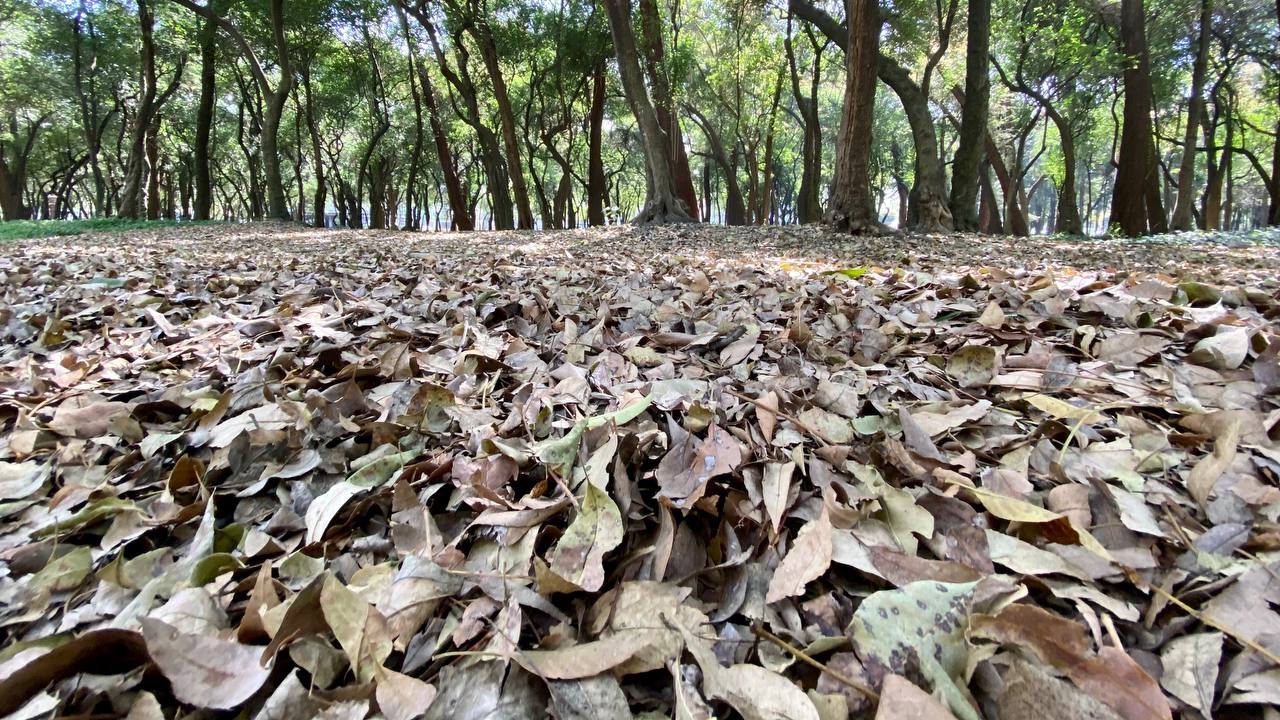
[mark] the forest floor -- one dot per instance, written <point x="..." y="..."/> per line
<point x="638" y="473"/>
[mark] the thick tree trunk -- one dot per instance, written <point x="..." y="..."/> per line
<point x="664" y="104"/>
<point x="1183" y="217"/>
<point x="1129" y="202"/>
<point x="662" y="205"/>
<point x="596" y="190"/>
<point x="973" y="118"/>
<point x="204" y="120"/>
<point x="852" y="207"/>
<point x="1068" y="212"/>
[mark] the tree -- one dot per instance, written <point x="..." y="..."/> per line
<point x="1183" y="218"/>
<point x="1135" y="208"/>
<point x="973" y="118"/>
<point x="661" y="204"/>
<point x="852" y="208"/>
<point x="276" y="93"/>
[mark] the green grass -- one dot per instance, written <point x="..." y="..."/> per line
<point x="28" y="229"/>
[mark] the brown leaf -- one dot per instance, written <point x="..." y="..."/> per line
<point x="808" y="558"/>
<point x="901" y="700"/>
<point x="204" y="671"/>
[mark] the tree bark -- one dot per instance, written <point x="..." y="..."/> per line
<point x="661" y="205"/>
<point x="1129" y="202"/>
<point x="204" y="120"/>
<point x="915" y="103"/>
<point x="1067" y="214"/>
<point x="664" y="104"/>
<point x="596" y="190"/>
<point x="852" y="207"/>
<point x="491" y="156"/>
<point x="483" y="34"/>
<point x="1183" y="217"/>
<point x="808" y="202"/>
<point x="133" y="200"/>
<point x="973" y="118"/>
<point x="928" y="210"/>
<point x="87" y="96"/>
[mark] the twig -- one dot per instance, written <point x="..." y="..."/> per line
<point x="804" y="657"/>
<point x="1207" y="620"/>
<point x="785" y="416"/>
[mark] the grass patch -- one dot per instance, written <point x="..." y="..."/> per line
<point x="28" y="229"/>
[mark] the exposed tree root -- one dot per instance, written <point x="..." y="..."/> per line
<point x="662" y="211"/>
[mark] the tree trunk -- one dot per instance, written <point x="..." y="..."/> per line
<point x="133" y="202"/>
<point x="318" y="203"/>
<point x="491" y="157"/>
<point x="664" y="104"/>
<point x="973" y="118"/>
<point x="506" y="117"/>
<point x="927" y="210"/>
<point x="735" y="207"/>
<point x="1183" y="217"/>
<point x="596" y="190"/>
<point x="662" y="205"/>
<point x="852" y="207"/>
<point x="153" y="165"/>
<point x="1129" y="211"/>
<point x="808" y="202"/>
<point x="1068" y="212"/>
<point x="87" y="96"/>
<point x="204" y="119"/>
<point x="765" y="208"/>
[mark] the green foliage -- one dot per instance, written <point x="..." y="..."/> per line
<point x="28" y="229"/>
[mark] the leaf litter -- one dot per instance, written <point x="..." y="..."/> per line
<point x="662" y="473"/>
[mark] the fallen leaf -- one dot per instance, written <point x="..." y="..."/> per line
<point x="204" y="671"/>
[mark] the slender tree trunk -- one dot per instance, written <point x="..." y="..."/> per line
<point x="928" y="210"/>
<point x="1183" y="217"/>
<point x="153" y="165"/>
<point x="204" y="119"/>
<point x="973" y="118"/>
<point x="662" y="205"/>
<point x="87" y="96"/>
<point x="765" y="208"/>
<point x="809" y="202"/>
<point x="133" y="202"/>
<point x="507" y="120"/>
<point x="596" y="190"/>
<point x="852" y="207"/>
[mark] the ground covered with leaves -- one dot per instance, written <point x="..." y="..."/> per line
<point x="684" y="473"/>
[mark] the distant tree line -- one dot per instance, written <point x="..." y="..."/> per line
<point x="996" y="116"/>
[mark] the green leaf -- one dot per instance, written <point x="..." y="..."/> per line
<point x="921" y="627"/>
<point x="579" y="556"/>
<point x="852" y="273"/>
